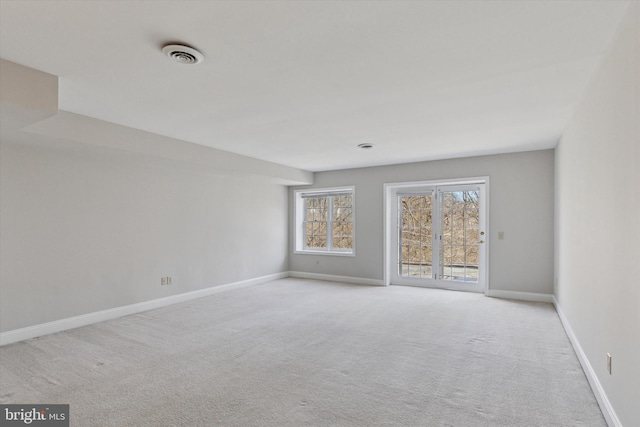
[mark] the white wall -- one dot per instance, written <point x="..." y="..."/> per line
<point x="521" y="187"/>
<point x="87" y="228"/>
<point x="598" y="222"/>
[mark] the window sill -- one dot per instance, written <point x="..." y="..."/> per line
<point x="330" y="253"/>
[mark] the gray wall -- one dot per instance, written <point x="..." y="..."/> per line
<point x="86" y="228"/>
<point x="521" y="205"/>
<point x="598" y="221"/>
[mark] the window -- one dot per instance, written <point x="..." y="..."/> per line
<point x="325" y="221"/>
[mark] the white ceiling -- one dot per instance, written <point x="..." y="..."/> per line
<point x="302" y="83"/>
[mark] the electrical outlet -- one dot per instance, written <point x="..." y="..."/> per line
<point x="163" y="281"/>
<point x="169" y="279"/>
<point x="609" y="363"/>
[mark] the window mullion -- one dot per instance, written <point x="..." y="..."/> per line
<point x="330" y="223"/>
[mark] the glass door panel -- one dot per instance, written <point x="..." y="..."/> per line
<point x="459" y="219"/>
<point x="415" y="242"/>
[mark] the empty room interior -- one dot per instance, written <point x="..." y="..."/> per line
<point x="357" y="213"/>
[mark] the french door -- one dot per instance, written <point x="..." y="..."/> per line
<point x="438" y="236"/>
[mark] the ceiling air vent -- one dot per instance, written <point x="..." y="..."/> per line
<point x="183" y="54"/>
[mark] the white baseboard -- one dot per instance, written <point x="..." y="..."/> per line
<point x="113" y="313"/>
<point x="607" y="410"/>
<point x="333" y="278"/>
<point x="523" y="296"/>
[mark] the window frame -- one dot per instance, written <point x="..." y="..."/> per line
<point x="300" y="215"/>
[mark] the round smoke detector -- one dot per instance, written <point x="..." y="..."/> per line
<point x="183" y="54"/>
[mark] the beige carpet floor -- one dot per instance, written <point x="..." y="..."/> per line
<point x="310" y="353"/>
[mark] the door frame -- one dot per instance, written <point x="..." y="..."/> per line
<point x="388" y="201"/>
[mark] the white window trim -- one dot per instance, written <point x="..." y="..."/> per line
<point x="299" y="221"/>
